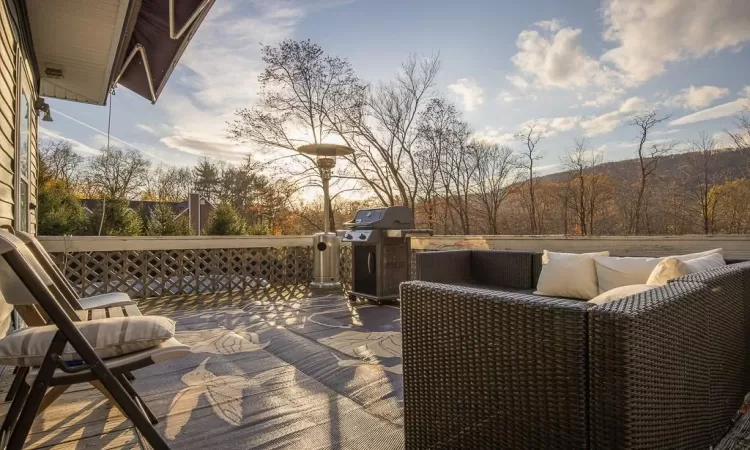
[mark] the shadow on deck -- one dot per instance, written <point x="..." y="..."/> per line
<point x="284" y="368"/>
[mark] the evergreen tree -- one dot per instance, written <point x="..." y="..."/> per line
<point x="162" y="221"/>
<point x="207" y="179"/>
<point x="60" y="212"/>
<point x="225" y="221"/>
<point x="119" y="220"/>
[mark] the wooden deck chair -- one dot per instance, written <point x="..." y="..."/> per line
<point x="115" y="304"/>
<point x="69" y="292"/>
<point x="65" y="353"/>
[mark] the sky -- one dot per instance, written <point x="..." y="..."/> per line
<point x="576" y="68"/>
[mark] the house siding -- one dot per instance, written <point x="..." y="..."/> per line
<point x="9" y="107"/>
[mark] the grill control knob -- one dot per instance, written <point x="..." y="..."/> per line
<point x="348" y="236"/>
<point x="363" y="236"/>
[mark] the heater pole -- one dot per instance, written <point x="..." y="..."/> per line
<point x="326" y="176"/>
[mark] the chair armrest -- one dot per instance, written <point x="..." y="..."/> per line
<point x="492" y="369"/>
<point x="444" y="266"/>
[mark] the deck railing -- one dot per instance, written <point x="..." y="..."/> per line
<point x="735" y="246"/>
<point x="157" y="266"/>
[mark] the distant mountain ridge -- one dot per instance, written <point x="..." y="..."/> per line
<point x="728" y="164"/>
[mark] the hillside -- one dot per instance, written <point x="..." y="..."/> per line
<point x="729" y="164"/>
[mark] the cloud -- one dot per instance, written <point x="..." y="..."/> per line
<point x="518" y="82"/>
<point x="78" y="146"/>
<point x="554" y="60"/>
<point x="507" y="97"/>
<point x="206" y="145"/>
<point x="552" y="126"/>
<point x="602" y="124"/>
<point x="716" y="112"/>
<point x="549" y="25"/>
<point x="700" y="97"/>
<point x="650" y="34"/>
<point x="494" y="136"/>
<point x="219" y="71"/>
<point x="111" y="137"/>
<point x="471" y="94"/>
<point x="147" y="128"/>
<point x="632" y="105"/>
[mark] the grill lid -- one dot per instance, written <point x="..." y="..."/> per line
<point x="392" y="217"/>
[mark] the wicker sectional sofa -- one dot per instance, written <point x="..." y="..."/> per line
<point x="487" y="364"/>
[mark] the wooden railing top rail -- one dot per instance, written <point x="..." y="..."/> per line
<point x="59" y="244"/>
<point x="735" y="246"/>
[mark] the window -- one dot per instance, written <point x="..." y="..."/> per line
<point x="22" y="153"/>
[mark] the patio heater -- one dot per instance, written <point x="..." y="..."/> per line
<point x="326" y="244"/>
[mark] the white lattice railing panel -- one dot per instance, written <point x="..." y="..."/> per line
<point x="152" y="267"/>
<point x="152" y="273"/>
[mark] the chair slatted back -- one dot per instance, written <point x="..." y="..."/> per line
<point x="17" y="294"/>
<point x="48" y="264"/>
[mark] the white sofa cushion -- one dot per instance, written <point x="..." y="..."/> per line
<point x="568" y="275"/>
<point x="667" y="270"/>
<point x="690" y="256"/>
<point x="109" y="337"/>
<point x="621" y="292"/>
<point x="707" y="262"/>
<point x="613" y="271"/>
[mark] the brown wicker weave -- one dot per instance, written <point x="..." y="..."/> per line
<point x="666" y="368"/>
<point x="488" y="370"/>
<point x="506" y="269"/>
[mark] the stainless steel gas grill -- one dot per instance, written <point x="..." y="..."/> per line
<point x="380" y="251"/>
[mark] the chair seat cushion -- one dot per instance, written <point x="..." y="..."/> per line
<point x="109" y="337"/>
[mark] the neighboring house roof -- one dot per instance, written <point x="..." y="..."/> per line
<point x="179" y="208"/>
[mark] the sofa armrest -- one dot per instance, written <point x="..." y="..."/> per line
<point x="444" y="266"/>
<point x="491" y="369"/>
<point x="666" y="366"/>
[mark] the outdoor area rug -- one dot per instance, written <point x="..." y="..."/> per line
<point x="290" y="370"/>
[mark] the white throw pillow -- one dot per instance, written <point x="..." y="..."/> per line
<point x="689" y="256"/>
<point x="620" y="292"/>
<point x="667" y="270"/>
<point x="613" y="272"/>
<point x="568" y="275"/>
<point x="707" y="262"/>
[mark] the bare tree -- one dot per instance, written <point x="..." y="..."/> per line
<point x="443" y="138"/>
<point x="381" y="125"/>
<point x="701" y="173"/>
<point x="169" y="184"/>
<point x="648" y="156"/>
<point x="301" y="87"/>
<point x="580" y="163"/>
<point x="116" y="173"/>
<point x="493" y="178"/>
<point x="59" y="162"/>
<point x="741" y="137"/>
<point x="530" y="155"/>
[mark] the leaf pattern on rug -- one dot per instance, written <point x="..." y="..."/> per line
<point x="229" y="343"/>
<point x="223" y="392"/>
<point x="369" y="348"/>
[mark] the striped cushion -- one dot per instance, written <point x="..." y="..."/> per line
<point x="110" y="338"/>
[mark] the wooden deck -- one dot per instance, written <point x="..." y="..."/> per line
<point x="271" y="369"/>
